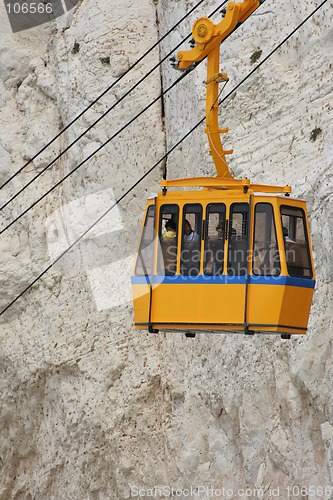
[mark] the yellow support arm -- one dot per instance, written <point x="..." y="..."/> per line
<point x="209" y="37"/>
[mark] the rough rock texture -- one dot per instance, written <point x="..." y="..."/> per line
<point x="89" y="407"/>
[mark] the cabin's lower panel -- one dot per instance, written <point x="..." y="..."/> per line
<point x="284" y="305"/>
<point x="221" y="328"/>
<point x="223" y="304"/>
<point x="141" y="302"/>
<point x="198" y="304"/>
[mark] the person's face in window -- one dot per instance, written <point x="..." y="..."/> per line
<point x="219" y="230"/>
<point x="187" y="228"/>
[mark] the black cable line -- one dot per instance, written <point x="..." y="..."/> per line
<point x="102" y="94"/>
<point x="153" y="167"/>
<point x="276" y="48"/>
<point x="96" y="100"/>
<point x="86" y="131"/>
<point x="91" y="126"/>
<point x="101" y="217"/>
<point x="98" y="149"/>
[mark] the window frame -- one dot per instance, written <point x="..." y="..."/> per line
<point x="197" y="229"/>
<point x="306" y="241"/>
<point x="165" y="209"/>
<point x="232" y="241"/>
<point x="208" y="252"/>
<point x="142" y="239"/>
<point x="278" y="270"/>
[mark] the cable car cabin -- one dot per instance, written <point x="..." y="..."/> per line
<point x="230" y="262"/>
<point x="231" y="256"/>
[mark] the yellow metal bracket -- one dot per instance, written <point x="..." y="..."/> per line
<point x="229" y="184"/>
<point x="209" y="37"/>
<point x="220" y="77"/>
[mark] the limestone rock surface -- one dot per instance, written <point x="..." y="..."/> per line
<point x="89" y="407"/>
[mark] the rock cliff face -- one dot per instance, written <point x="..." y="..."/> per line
<point x="90" y="408"/>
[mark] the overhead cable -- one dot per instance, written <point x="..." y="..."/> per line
<point x="275" y="49"/>
<point x="98" y="149"/>
<point x="95" y="101"/>
<point x="88" y="129"/>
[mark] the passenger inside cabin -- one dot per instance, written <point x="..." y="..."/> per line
<point x="189" y="234"/>
<point x="286" y="235"/>
<point x="219" y="229"/>
<point x="170" y="228"/>
<point x="214" y="255"/>
<point x="169" y="247"/>
<point x="190" y="257"/>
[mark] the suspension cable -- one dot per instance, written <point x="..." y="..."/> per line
<point x="89" y="128"/>
<point x="185" y="73"/>
<point x="83" y="134"/>
<point x="94" y="102"/>
<point x="101" y="217"/>
<point x="276" y="48"/>
<point x="155" y="165"/>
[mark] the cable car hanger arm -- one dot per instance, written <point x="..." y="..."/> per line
<point x="209" y="37"/>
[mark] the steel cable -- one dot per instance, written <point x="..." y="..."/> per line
<point x="101" y="95"/>
<point x="104" y="114"/>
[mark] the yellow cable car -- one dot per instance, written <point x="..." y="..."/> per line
<point x="231" y="256"/>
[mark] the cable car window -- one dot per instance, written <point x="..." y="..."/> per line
<point x="144" y="261"/>
<point x="191" y="240"/>
<point x="296" y="242"/>
<point x="238" y="239"/>
<point x="168" y="237"/>
<point x="215" y="238"/>
<point x="266" y="259"/>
